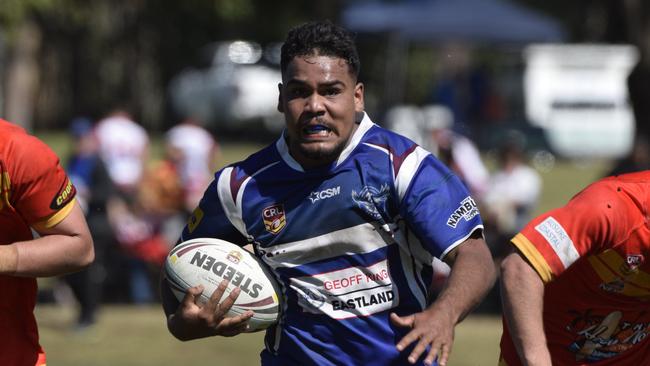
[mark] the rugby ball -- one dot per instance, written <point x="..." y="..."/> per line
<point x="208" y="261"/>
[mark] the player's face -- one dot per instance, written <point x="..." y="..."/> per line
<point x="320" y="99"/>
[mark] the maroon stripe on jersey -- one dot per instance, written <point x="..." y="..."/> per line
<point x="397" y="159"/>
<point x="235" y="183"/>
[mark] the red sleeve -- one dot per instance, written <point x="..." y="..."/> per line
<point x="590" y="221"/>
<point x="41" y="191"/>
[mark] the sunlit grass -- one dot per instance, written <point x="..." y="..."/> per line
<point x="130" y="335"/>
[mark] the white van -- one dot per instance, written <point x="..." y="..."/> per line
<point x="578" y="95"/>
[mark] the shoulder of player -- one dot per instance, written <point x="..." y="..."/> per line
<point x="16" y="144"/>
<point x="391" y="142"/>
<point x="261" y="158"/>
<point x="255" y="163"/>
<point x="609" y="190"/>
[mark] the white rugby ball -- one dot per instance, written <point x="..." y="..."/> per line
<point x="208" y="261"/>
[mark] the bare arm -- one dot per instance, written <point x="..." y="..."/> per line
<point x="522" y="293"/>
<point x="63" y="248"/>
<point x="472" y="275"/>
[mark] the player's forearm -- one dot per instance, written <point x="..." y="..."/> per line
<point x="522" y="291"/>
<point x="8" y="259"/>
<point x="50" y="255"/>
<point x="471" y="277"/>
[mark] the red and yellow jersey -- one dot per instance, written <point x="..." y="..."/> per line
<point x="592" y="255"/>
<point x="34" y="193"/>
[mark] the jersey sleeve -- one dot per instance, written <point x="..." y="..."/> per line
<point x="439" y="209"/>
<point x="209" y="219"/>
<point x="41" y="191"/>
<point x="591" y="220"/>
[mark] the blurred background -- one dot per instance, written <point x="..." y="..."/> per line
<point x="527" y="101"/>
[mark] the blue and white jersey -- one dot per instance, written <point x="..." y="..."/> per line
<point x="349" y="243"/>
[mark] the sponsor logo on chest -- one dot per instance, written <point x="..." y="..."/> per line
<point x="349" y="292"/>
<point x="324" y="194"/>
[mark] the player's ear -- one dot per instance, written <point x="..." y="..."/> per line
<point x="280" y="106"/>
<point x="359" y="104"/>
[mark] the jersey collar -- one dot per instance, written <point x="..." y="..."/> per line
<point x="364" y="126"/>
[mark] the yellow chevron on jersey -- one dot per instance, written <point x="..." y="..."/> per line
<point x="611" y="267"/>
<point x="194" y="220"/>
<point x="5" y="190"/>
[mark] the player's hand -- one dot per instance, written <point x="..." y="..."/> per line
<point x="194" y="320"/>
<point x="430" y="328"/>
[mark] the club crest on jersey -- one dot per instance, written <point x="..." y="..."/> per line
<point x="274" y="218"/>
<point x="372" y="200"/>
<point x="632" y="264"/>
<point x="634" y="261"/>
<point x="467" y="210"/>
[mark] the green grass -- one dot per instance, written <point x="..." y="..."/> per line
<point x="135" y="335"/>
<point x="566" y="179"/>
<point x="130" y="335"/>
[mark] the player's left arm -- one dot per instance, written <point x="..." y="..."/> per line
<point x="63" y="248"/>
<point x="472" y="275"/>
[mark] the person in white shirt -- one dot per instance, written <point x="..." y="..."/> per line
<point x="457" y="151"/>
<point x="123" y="145"/>
<point x="194" y="152"/>
<point x="513" y="191"/>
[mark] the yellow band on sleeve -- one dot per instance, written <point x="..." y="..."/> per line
<point x="533" y="256"/>
<point x="57" y="217"/>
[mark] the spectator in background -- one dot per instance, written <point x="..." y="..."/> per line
<point x="194" y="152"/>
<point x="148" y="227"/>
<point x="94" y="191"/>
<point x="458" y="152"/>
<point x="124" y="146"/>
<point x="512" y="194"/>
<point x="407" y="120"/>
<point x="466" y="86"/>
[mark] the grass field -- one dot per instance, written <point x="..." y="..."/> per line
<point x="128" y="335"/>
<point x="137" y="336"/>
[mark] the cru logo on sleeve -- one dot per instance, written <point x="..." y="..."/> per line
<point x="65" y="194"/>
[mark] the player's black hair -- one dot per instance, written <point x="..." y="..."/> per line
<point x="320" y="38"/>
